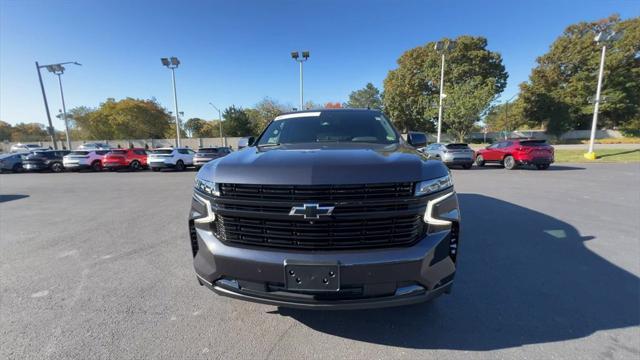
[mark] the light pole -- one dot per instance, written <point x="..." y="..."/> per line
<point x="220" y="121"/>
<point x="172" y="63"/>
<point x="602" y="38"/>
<point x="51" y="130"/>
<point x="296" y="56"/>
<point x="58" y="69"/>
<point x="442" y="48"/>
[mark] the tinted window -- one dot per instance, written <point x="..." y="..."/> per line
<point x="163" y="152"/>
<point x="208" y="151"/>
<point x="330" y="126"/>
<point x="494" y="146"/>
<point x="457" y="146"/>
<point x="102" y="152"/>
<point x="533" y="143"/>
<point x="79" y="153"/>
<point x="139" y="152"/>
<point x="118" y="152"/>
<point x="183" y="151"/>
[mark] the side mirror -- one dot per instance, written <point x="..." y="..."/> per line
<point x="417" y="139"/>
<point x="245" y="141"/>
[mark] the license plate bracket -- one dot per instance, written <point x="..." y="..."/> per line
<point x="305" y="276"/>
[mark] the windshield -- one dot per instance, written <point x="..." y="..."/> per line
<point x="329" y="126"/>
<point x="208" y="150"/>
<point x="32" y="146"/>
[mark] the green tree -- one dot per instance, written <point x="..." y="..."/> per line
<point x="194" y="127"/>
<point x="29" y="132"/>
<point x="5" y="131"/>
<point x="236" y="122"/>
<point x="263" y="112"/>
<point x="125" y="119"/>
<point x="507" y="117"/>
<point x="560" y="86"/>
<point x="474" y="76"/>
<point x="367" y="97"/>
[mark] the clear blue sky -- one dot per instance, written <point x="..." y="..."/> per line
<point x="237" y="52"/>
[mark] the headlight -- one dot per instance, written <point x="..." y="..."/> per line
<point x="207" y="187"/>
<point x="433" y="185"/>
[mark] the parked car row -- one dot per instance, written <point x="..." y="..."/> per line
<point x="95" y="158"/>
<point x="510" y="153"/>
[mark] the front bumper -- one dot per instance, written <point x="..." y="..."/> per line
<point x="369" y="278"/>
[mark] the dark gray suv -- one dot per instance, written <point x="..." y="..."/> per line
<point x="327" y="209"/>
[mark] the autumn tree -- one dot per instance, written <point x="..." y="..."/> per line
<point x="263" y="112"/>
<point x="333" y="105"/>
<point x="474" y="76"/>
<point x="560" y="87"/>
<point x="367" y="97"/>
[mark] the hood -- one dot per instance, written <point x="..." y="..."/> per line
<point x="326" y="164"/>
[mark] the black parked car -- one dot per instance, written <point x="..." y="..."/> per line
<point x="326" y="209"/>
<point x="45" y="160"/>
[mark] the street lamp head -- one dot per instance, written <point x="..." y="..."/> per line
<point x="305" y="54"/>
<point x="56" y="69"/>
<point x="451" y="45"/>
<point x="175" y="61"/>
<point x="295" y="55"/>
<point x="607" y="36"/>
<point x="76" y="63"/>
<point x="165" y="61"/>
<point x="438" y="46"/>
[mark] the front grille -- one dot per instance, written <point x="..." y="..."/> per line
<point x="317" y="192"/>
<point x="364" y="216"/>
<point x="320" y="234"/>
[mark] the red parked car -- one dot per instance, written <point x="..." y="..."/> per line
<point x="514" y="152"/>
<point x="135" y="159"/>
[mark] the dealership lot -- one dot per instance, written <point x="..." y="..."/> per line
<point x="98" y="265"/>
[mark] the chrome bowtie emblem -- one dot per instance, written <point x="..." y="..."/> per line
<point x="311" y="211"/>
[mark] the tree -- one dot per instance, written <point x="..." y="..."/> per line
<point x="29" y="132"/>
<point x="125" y="119"/>
<point x="263" y="112"/>
<point x="561" y="85"/>
<point x="474" y="76"/>
<point x="194" y="127"/>
<point x="507" y="117"/>
<point x="367" y="97"/>
<point x="333" y="105"/>
<point x="236" y="122"/>
<point x="5" y="131"/>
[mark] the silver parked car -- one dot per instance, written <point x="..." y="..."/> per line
<point x="26" y="148"/>
<point x="11" y="162"/>
<point x="204" y="155"/>
<point x="452" y="154"/>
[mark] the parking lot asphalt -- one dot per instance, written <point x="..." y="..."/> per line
<point x="98" y="265"/>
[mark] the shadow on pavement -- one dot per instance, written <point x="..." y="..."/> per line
<point x="618" y="153"/>
<point x="524" y="278"/>
<point x="6" y="198"/>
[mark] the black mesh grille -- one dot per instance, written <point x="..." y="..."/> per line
<point x="323" y="234"/>
<point x="364" y="216"/>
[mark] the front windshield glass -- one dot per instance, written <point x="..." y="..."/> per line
<point x="329" y="126"/>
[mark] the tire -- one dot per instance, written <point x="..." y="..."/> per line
<point x="135" y="165"/>
<point x="96" y="166"/>
<point x="466" y="166"/>
<point x="542" y="166"/>
<point x="480" y="161"/>
<point x="17" y="168"/>
<point x="57" y="167"/>
<point x="509" y="162"/>
<point x="180" y="166"/>
<point x="155" y="169"/>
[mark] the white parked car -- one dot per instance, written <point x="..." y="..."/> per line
<point x="94" y="146"/>
<point x="178" y="158"/>
<point x="84" y="159"/>
<point x="20" y="148"/>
